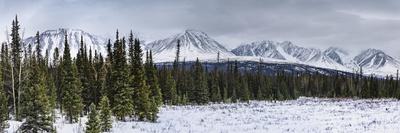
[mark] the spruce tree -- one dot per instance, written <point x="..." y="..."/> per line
<point x="16" y="49"/>
<point x="199" y="93"/>
<point x="169" y="93"/>
<point x="152" y="80"/>
<point x="95" y="95"/>
<point x="101" y="74"/>
<point x="108" y="89"/>
<point x="141" y="90"/>
<point x="37" y="105"/>
<point x="105" y="114"/>
<point x="93" y="124"/>
<point x="153" y="110"/>
<point x="123" y="104"/>
<point x="215" y="88"/>
<point x="71" y="88"/>
<point x="55" y="68"/>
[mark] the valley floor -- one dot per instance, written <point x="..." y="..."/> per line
<point x="301" y="115"/>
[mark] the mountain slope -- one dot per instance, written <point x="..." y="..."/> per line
<point x="194" y="44"/>
<point x="371" y="60"/>
<point x="288" y="52"/>
<point x="51" y="39"/>
<point x="261" y="48"/>
<point x="376" y="60"/>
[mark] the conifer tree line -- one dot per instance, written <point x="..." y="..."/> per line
<point x="121" y="85"/>
<point x="200" y="84"/>
<point x="33" y="87"/>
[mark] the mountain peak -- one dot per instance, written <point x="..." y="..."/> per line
<point x="64" y="31"/>
<point x="373" y="51"/>
<point x="193" y="44"/>
<point x="194" y="31"/>
<point x="374" y="58"/>
<point x="51" y="39"/>
<point x="336" y="49"/>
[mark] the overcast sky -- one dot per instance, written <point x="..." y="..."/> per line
<point x="350" y="24"/>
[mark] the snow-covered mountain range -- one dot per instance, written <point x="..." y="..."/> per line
<point x="370" y="60"/>
<point x="197" y="44"/>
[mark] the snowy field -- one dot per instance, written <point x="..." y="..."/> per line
<point x="302" y="115"/>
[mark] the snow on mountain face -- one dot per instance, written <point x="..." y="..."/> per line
<point x="300" y="53"/>
<point x="312" y="56"/>
<point x="371" y="60"/>
<point x="260" y="48"/>
<point x="51" y="39"/>
<point x="377" y="60"/>
<point x="193" y="44"/>
<point x="283" y="51"/>
<point x="336" y="54"/>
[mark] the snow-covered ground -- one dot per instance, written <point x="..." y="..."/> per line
<point x="302" y="115"/>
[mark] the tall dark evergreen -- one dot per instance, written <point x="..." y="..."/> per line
<point x="152" y="79"/>
<point x="169" y="90"/>
<point x="38" y="48"/>
<point x="199" y="93"/>
<point x="178" y="50"/>
<point x="120" y="90"/>
<point x="108" y="89"/>
<point x="16" y="50"/>
<point x="141" y="90"/>
<point x="87" y="76"/>
<point x="71" y="87"/>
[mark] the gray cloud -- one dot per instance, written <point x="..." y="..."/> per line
<point x="350" y="24"/>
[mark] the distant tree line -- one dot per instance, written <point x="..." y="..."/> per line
<point x="122" y="85"/>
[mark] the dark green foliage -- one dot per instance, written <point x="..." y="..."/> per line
<point x="153" y="110"/>
<point x="56" y="72"/>
<point x="108" y="89"/>
<point x="87" y="75"/>
<point x="16" y="67"/>
<point x="3" y="106"/>
<point x="152" y="79"/>
<point x="199" y="92"/>
<point x="71" y="87"/>
<point x="120" y="89"/>
<point x="215" y="95"/>
<point x="169" y="90"/>
<point x="243" y="91"/>
<point x="141" y="91"/>
<point x="105" y="114"/>
<point x="37" y="106"/>
<point x="93" y="124"/>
